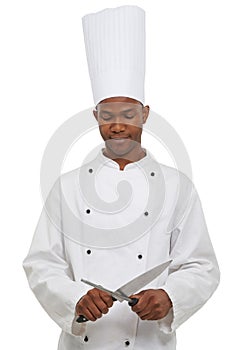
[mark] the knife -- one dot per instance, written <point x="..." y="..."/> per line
<point x="129" y="288"/>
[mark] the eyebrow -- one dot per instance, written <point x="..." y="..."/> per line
<point x="125" y="111"/>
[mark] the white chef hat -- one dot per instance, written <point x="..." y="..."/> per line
<point x="115" y="49"/>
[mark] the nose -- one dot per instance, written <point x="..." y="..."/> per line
<point x="117" y="126"/>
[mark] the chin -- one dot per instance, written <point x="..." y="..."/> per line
<point x="117" y="153"/>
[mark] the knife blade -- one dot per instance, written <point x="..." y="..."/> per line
<point x="131" y="287"/>
<point x="116" y="295"/>
<point x="141" y="281"/>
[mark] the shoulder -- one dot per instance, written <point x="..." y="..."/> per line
<point x="173" y="177"/>
<point x="70" y="175"/>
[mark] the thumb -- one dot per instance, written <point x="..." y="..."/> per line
<point x="137" y="295"/>
<point x="135" y="298"/>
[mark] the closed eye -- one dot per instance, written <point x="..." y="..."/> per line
<point x="106" y="116"/>
<point x="129" y="116"/>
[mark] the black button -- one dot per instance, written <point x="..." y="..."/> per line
<point x="127" y="343"/>
<point x="86" y="338"/>
<point x="140" y="256"/>
<point x="90" y="170"/>
<point x="88" y="251"/>
<point x="88" y="211"/>
<point x="146" y="213"/>
<point x="152" y="174"/>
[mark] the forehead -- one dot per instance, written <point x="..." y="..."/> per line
<point x="118" y="107"/>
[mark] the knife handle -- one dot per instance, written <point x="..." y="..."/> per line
<point x="81" y="319"/>
<point x="133" y="302"/>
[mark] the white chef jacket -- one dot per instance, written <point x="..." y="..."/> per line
<point x="164" y="220"/>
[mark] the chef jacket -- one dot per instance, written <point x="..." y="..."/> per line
<point x="75" y="238"/>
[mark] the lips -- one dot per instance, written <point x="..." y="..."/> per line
<point x="119" y="138"/>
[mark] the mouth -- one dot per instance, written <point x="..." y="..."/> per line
<point x="119" y="140"/>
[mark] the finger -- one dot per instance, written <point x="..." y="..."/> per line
<point x="87" y="307"/>
<point x="95" y="296"/>
<point x="94" y="311"/>
<point x="87" y="312"/>
<point x="138" y="295"/>
<point x="100" y="304"/>
<point x="152" y="315"/>
<point x="145" y="311"/>
<point x="88" y="315"/>
<point x="104" y="296"/>
<point x="107" y="299"/>
<point x="146" y="317"/>
<point x="83" y="304"/>
<point x="139" y="306"/>
<point x="143" y="315"/>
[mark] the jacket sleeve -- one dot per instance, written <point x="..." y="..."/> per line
<point x="49" y="274"/>
<point x="194" y="272"/>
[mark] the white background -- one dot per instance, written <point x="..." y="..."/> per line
<point x="44" y="81"/>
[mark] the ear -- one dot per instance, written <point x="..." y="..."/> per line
<point x="146" y="110"/>
<point x="95" y="113"/>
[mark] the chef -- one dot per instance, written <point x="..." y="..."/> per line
<point x="119" y="215"/>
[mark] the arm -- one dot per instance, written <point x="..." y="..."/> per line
<point x="49" y="274"/>
<point x="193" y="274"/>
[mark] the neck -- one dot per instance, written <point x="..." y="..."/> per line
<point x="123" y="161"/>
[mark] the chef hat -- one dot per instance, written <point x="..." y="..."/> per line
<point x="115" y="49"/>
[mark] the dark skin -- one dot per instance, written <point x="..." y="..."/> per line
<point x="122" y="117"/>
<point x="153" y="304"/>
<point x="123" y="120"/>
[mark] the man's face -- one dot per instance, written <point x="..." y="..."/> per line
<point x="120" y="122"/>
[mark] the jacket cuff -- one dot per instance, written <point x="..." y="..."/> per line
<point x="165" y="323"/>
<point x="172" y="320"/>
<point x="68" y="323"/>
<point x="175" y="316"/>
<point x="77" y="329"/>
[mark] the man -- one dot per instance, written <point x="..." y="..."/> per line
<point x="120" y="215"/>
<point x="123" y="145"/>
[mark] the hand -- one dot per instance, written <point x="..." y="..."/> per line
<point x="153" y="304"/>
<point x="94" y="304"/>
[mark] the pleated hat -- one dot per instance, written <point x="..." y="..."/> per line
<point x="115" y="48"/>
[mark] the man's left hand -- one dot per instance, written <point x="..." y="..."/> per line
<point x="153" y="304"/>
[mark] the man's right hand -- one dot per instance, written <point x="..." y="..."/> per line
<point x="94" y="304"/>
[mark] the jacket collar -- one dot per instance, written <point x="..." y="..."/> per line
<point x="148" y="158"/>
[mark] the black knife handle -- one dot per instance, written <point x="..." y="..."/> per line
<point x="81" y="319"/>
<point x="133" y="302"/>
